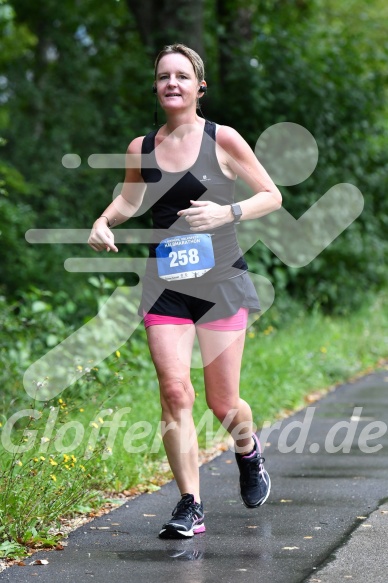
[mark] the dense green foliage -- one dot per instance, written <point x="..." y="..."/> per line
<point x="76" y="78"/>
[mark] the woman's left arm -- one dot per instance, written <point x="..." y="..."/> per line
<point x="236" y="158"/>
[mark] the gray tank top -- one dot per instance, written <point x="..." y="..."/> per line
<point x="169" y="192"/>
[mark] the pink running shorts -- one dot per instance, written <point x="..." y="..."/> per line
<point x="236" y="322"/>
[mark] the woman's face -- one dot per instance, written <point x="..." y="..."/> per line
<point x="176" y="83"/>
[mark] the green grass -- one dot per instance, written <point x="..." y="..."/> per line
<point x="314" y="352"/>
<point x="49" y="475"/>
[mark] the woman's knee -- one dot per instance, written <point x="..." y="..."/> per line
<point x="223" y="410"/>
<point x="176" y="394"/>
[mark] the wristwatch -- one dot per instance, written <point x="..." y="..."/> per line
<point x="237" y="213"/>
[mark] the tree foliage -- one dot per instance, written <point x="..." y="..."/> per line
<point x="76" y="78"/>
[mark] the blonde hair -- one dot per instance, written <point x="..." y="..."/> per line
<point x="193" y="57"/>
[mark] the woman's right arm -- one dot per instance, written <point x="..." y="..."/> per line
<point x="124" y="205"/>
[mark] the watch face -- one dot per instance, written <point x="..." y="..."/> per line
<point x="236" y="210"/>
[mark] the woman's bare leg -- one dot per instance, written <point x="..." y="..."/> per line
<point x="177" y="398"/>
<point x="222" y="355"/>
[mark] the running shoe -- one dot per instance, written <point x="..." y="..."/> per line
<point x="255" y="483"/>
<point x="187" y="519"/>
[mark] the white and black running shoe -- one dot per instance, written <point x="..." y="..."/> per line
<point x="255" y="483"/>
<point x="187" y="519"/>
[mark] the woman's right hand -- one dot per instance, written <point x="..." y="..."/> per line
<point x="101" y="237"/>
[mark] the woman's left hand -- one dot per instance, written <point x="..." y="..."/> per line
<point x="204" y="215"/>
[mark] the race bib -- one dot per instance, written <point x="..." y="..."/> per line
<point x="184" y="256"/>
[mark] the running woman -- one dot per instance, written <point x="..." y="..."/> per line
<point x="196" y="281"/>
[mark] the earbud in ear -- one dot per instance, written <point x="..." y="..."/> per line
<point x="202" y="89"/>
<point x="154" y="90"/>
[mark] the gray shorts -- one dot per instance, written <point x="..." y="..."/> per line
<point x="200" y="301"/>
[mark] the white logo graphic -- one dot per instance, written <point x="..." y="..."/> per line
<point x="293" y="153"/>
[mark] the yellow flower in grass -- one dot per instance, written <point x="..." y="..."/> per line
<point x="18" y="463"/>
<point x="117" y="353"/>
<point x="268" y="331"/>
<point x="82" y="468"/>
<point x="53" y="477"/>
<point x="42" y="458"/>
<point x="66" y="458"/>
<point x="73" y="458"/>
<point x="323" y="349"/>
<point x="81" y="410"/>
<point x="53" y="462"/>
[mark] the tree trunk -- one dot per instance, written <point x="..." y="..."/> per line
<point x="162" y="22"/>
<point x="234" y="20"/>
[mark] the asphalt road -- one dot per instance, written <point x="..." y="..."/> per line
<point x="325" y="520"/>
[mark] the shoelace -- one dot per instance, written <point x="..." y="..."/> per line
<point x="183" y="510"/>
<point x="250" y="474"/>
<point x="261" y="461"/>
